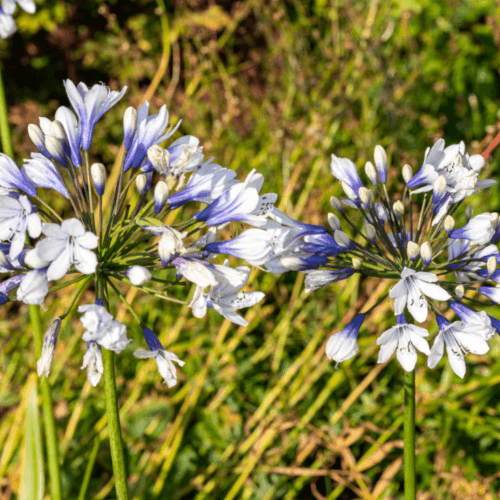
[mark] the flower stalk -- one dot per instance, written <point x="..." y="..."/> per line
<point x="409" y="435"/>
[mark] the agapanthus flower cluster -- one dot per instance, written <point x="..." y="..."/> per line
<point x="7" y="8"/>
<point x="113" y="230"/>
<point x="425" y="239"/>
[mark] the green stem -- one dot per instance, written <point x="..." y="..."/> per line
<point x="48" y="415"/>
<point x="4" y="122"/>
<point x="409" y="436"/>
<point x="115" y="435"/>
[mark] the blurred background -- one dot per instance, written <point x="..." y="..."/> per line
<point x="260" y="412"/>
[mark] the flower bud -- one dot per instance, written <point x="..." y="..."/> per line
<point x="49" y="345"/>
<point x="161" y="196"/>
<point x="342" y="239"/>
<point x="398" y="208"/>
<point x="413" y="250"/>
<point x="37" y="136"/>
<point x="371" y="173"/>
<point x="57" y="130"/>
<point x="407" y="173"/>
<point x="3" y="260"/>
<point x="459" y="291"/>
<point x="491" y="265"/>
<point x="371" y="233"/>
<point x="356" y="263"/>
<point x="350" y="193"/>
<point x="32" y="259"/>
<point x="56" y="149"/>
<point x="468" y="212"/>
<point x="449" y="224"/>
<point x="167" y="246"/>
<point x="92" y="360"/>
<point x="129" y="126"/>
<point x="336" y="204"/>
<point x="366" y="196"/>
<point x="181" y="182"/>
<point x="334" y="222"/>
<point x="140" y="183"/>
<point x="494" y="219"/>
<point x="438" y="188"/>
<point x="160" y="159"/>
<point x="381" y="163"/>
<point x="98" y="172"/>
<point x="138" y="275"/>
<point x="426" y="253"/>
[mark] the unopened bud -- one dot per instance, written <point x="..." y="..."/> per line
<point x="57" y="130"/>
<point x="449" y="223"/>
<point x="181" y="182"/>
<point x="342" y="239"/>
<point x="350" y="193"/>
<point x="336" y="204"/>
<point x="426" y="253"/>
<point x="334" y="222"/>
<point x="140" y="183"/>
<point x="366" y="196"/>
<point x="3" y="259"/>
<point x="407" y="173"/>
<point x="494" y="219"/>
<point x="468" y="212"/>
<point x="413" y="250"/>
<point x="459" y="291"/>
<point x="32" y="259"/>
<point x="98" y="172"/>
<point x="49" y="345"/>
<point x="438" y="188"/>
<point x="381" y="163"/>
<point x="371" y="172"/>
<point x="36" y="136"/>
<point x="55" y="148"/>
<point x="160" y="196"/>
<point x="159" y="158"/>
<point x="138" y="275"/>
<point x="170" y="244"/>
<point x="129" y="126"/>
<point x="491" y="265"/>
<point x="398" y="208"/>
<point x="371" y="233"/>
<point x="356" y="263"/>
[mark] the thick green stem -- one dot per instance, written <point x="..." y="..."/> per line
<point x="115" y="435"/>
<point x="48" y="414"/>
<point x="409" y="436"/>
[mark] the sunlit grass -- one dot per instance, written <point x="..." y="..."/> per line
<point x="259" y="412"/>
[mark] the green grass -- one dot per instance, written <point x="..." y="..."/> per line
<point x="259" y="412"/>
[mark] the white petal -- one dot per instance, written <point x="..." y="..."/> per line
<point x="407" y="358"/>
<point x="436" y="351"/>
<point x="433" y="291"/>
<point x="59" y="266"/>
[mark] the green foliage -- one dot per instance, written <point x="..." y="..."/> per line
<point x="277" y="86"/>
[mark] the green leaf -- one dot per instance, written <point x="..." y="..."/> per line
<point x="33" y="486"/>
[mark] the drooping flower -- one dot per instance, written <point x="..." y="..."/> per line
<point x="92" y="360"/>
<point x="226" y="298"/>
<point x="49" y="345"/>
<point x="164" y="359"/>
<point x="343" y="345"/>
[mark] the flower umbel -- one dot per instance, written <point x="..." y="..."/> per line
<point x="411" y="240"/>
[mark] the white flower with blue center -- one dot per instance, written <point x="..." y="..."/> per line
<point x="343" y="345"/>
